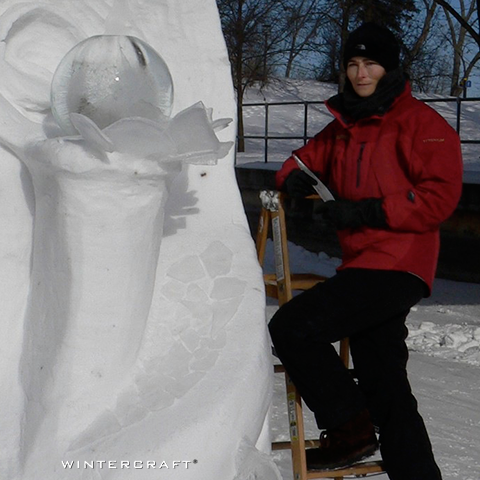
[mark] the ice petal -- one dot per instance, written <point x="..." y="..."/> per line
<point x="141" y="137"/>
<point x="91" y="133"/>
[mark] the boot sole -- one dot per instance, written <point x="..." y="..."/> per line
<point x="361" y="454"/>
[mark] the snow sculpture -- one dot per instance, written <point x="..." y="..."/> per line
<point x="120" y="339"/>
<point x="80" y="301"/>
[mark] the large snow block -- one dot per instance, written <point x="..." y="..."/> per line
<point x="134" y="327"/>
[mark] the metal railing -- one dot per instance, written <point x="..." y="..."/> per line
<point x="266" y="137"/>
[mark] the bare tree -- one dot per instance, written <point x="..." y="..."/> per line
<point x="334" y="37"/>
<point x="421" y="38"/>
<point x="392" y="13"/>
<point x="474" y="33"/>
<point x="303" y="20"/>
<point x="424" y="55"/>
<point x="247" y="28"/>
<point x="463" y="64"/>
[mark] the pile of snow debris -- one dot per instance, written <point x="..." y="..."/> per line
<point x="454" y="342"/>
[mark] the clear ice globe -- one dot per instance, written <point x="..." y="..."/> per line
<point x="109" y="77"/>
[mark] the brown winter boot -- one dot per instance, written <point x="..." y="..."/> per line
<point x="344" y="445"/>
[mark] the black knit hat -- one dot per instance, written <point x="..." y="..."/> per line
<point x="375" y="42"/>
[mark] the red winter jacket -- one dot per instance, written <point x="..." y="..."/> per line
<point x="411" y="158"/>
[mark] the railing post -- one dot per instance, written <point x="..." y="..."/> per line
<point x="459" y="108"/>
<point x="305" y="122"/>
<point x="266" y="133"/>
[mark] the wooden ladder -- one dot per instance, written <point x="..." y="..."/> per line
<point x="280" y="285"/>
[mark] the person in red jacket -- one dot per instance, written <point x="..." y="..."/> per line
<point x="395" y="166"/>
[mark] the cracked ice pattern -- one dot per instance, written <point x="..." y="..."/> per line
<point x="196" y="301"/>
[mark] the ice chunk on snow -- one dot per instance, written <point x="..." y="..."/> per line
<point x="455" y="338"/>
<point x="173" y="290"/>
<point x="217" y="259"/>
<point x="429" y="326"/>
<point x="109" y="77"/>
<point x="472" y="344"/>
<point x="227" y="287"/>
<point x="452" y="341"/>
<point x="190" y="339"/>
<point x="205" y="362"/>
<point x="196" y="294"/>
<point x="186" y="270"/>
<point x="476" y="334"/>
<point x="154" y="391"/>
<point x="200" y="311"/>
<point x="223" y="312"/>
<point x="128" y="408"/>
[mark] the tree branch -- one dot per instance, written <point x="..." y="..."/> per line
<point x="475" y="35"/>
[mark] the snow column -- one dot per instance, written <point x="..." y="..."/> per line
<point x="98" y="229"/>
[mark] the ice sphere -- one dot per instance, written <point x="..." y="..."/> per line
<point x="110" y="77"/>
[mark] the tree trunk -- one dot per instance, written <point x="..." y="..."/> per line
<point x="344" y="35"/>
<point x="241" y="130"/>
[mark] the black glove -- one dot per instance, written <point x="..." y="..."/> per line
<point x="354" y="214"/>
<point x="299" y="185"/>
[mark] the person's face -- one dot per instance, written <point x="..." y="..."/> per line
<point x="364" y="75"/>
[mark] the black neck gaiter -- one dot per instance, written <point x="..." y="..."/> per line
<point x="351" y="105"/>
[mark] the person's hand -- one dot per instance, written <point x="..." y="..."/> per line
<point x="299" y="185"/>
<point x="344" y="214"/>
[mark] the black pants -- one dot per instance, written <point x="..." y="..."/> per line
<point x="369" y="307"/>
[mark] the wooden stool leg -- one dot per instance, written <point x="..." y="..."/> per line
<point x="297" y="435"/>
<point x="280" y="246"/>
<point x="262" y="234"/>
<point x="345" y="351"/>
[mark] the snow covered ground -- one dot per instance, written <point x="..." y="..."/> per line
<point x="444" y="338"/>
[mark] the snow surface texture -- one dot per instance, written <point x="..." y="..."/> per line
<point x="133" y="324"/>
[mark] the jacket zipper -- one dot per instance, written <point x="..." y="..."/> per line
<point x="359" y="163"/>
